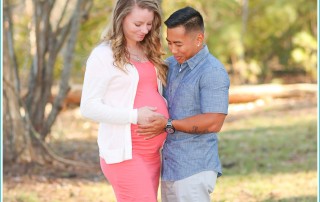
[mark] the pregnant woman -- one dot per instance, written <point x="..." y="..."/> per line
<point x="122" y="88"/>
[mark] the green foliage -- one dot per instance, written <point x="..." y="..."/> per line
<point x="272" y="37"/>
<point x="305" y="52"/>
<point x="272" y="29"/>
<point x="257" y="44"/>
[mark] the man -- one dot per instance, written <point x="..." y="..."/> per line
<point x="197" y="95"/>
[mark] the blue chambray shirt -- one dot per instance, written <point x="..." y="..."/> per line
<point x="199" y="85"/>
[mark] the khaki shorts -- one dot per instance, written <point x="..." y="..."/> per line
<point x="196" y="188"/>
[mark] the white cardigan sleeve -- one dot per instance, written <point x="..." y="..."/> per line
<point x="95" y="83"/>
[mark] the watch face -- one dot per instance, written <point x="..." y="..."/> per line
<point x="170" y="130"/>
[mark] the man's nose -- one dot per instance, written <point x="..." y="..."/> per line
<point x="173" y="50"/>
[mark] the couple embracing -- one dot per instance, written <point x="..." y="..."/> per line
<point x="156" y="118"/>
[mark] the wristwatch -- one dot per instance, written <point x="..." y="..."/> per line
<point x="169" y="127"/>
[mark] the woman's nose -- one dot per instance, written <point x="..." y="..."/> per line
<point x="144" y="30"/>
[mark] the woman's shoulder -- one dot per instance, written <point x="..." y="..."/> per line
<point x="101" y="54"/>
<point x="102" y="48"/>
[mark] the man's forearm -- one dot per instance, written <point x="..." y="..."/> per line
<point x="200" y="124"/>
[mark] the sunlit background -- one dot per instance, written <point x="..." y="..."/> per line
<point x="268" y="144"/>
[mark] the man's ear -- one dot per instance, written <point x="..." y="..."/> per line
<point x="200" y="39"/>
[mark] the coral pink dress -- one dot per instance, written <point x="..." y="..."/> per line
<point x="137" y="180"/>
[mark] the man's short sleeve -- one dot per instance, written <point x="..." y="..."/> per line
<point x="214" y="91"/>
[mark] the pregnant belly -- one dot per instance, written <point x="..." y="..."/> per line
<point x="152" y="100"/>
<point x="151" y="146"/>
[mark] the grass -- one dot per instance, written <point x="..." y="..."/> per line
<point x="270" y="145"/>
<point x="268" y="156"/>
<point x="23" y="197"/>
<point x="271" y="156"/>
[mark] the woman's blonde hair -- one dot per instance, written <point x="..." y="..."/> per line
<point x="151" y="43"/>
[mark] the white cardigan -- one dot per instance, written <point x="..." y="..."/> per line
<point x="108" y="97"/>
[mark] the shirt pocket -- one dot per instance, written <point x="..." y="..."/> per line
<point x="188" y="98"/>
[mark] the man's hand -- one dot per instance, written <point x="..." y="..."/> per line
<point x="154" y="128"/>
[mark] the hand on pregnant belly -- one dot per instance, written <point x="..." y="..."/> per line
<point x="154" y="128"/>
<point x="145" y="114"/>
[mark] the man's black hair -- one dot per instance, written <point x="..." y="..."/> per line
<point x="187" y="17"/>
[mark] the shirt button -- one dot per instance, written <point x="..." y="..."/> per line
<point x="165" y="158"/>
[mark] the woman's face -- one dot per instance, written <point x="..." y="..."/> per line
<point x="137" y="24"/>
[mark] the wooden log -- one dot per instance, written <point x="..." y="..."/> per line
<point x="237" y="94"/>
<point x="74" y="95"/>
<point x="250" y="93"/>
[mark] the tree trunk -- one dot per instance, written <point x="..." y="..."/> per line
<point x="15" y="138"/>
<point x="25" y="121"/>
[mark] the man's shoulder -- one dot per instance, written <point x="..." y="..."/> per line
<point x="211" y="63"/>
<point x="214" y="60"/>
<point x="171" y="60"/>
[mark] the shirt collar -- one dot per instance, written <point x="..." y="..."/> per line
<point x="196" y="59"/>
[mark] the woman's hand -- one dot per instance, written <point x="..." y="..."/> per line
<point x="145" y="113"/>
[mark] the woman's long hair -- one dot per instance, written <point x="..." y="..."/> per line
<point x="151" y="43"/>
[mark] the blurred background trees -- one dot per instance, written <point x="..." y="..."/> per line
<point x="38" y="37"/>
<point x="261" y="41"/>
<point x="258" y="41"/>
<point x="46" y="44"/>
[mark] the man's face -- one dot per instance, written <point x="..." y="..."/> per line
<point x="183" y="45"/>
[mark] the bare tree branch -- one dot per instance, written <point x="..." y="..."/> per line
<point x="64" y="86"/>
<point x="37" y="137"/>
<point x="63" y="13"/>
<point x="8" y="26"/>
<point x="61" y="35"/>
<point x="46" y="45"/>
